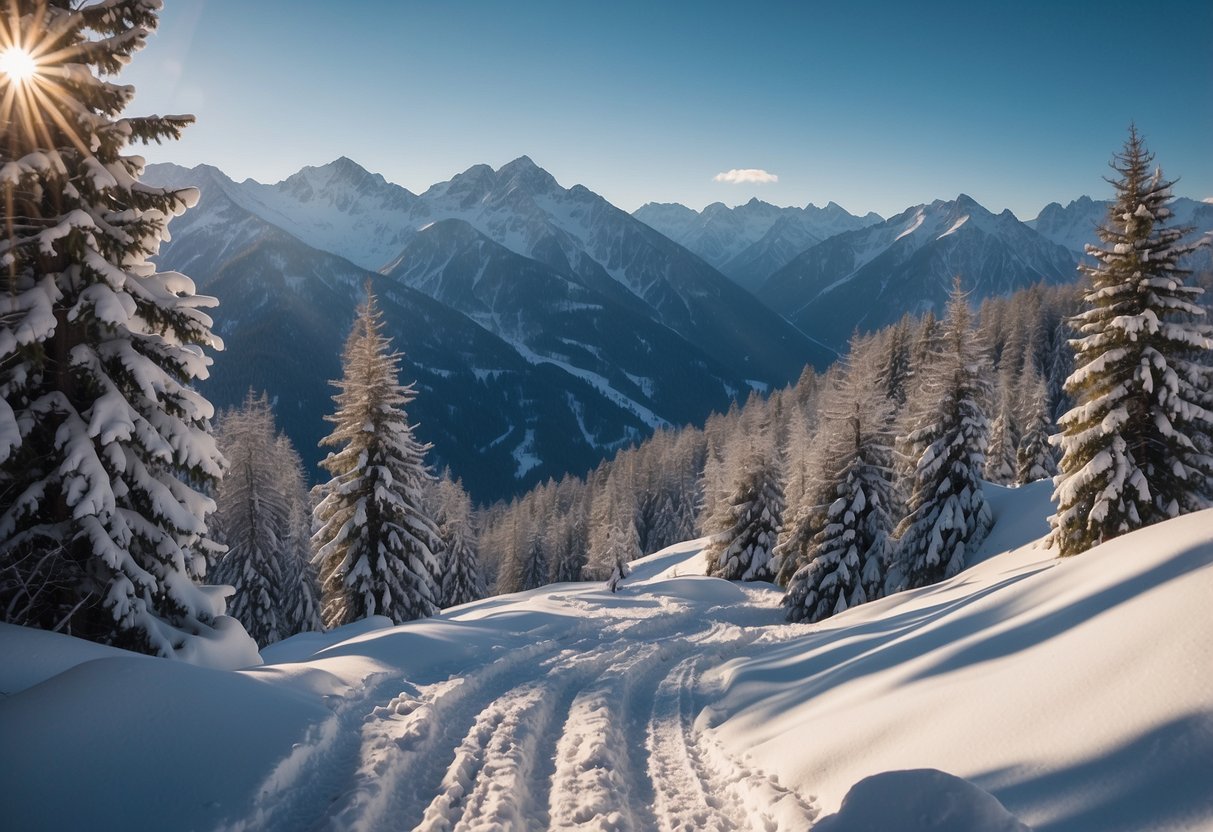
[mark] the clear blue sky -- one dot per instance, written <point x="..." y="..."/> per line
<point x="874" y="105"/>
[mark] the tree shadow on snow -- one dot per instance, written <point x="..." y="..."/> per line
<point x="1164" y="778"/>
<point x="1040" y="629"/>
<point x="873" y="647"/>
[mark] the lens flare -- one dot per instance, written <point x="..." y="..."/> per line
<point x="18" y="64"/>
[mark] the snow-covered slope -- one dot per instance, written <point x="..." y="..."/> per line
<point x="871" y="277"/>
<point x="1070" y="695"/>
<point x="751" y="241"/>
<point x="339" y="207"/>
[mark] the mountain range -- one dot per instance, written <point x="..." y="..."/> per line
<point x="544" y="327"/>
<point x="870" y="277"/>
<point x="752" y="241"/>
<point x="1073" y="225"/>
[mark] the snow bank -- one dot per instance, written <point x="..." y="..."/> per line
<point x="1077" y="692"/>
<point x="131" y="742"/>
<point x="33" y="656"/>
<point x="923" y="800"/>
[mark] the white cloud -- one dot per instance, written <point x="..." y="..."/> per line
<point x="738" y="176"/>
<point x="1209" y="199"/>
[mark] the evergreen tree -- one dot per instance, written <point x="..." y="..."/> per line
<point x="253" y="520"/>
<point x="947" y="513"/>
<point x="744" y="526"/>
<point x="374" y="542"/>
<point x="568" y="538"/>
<point x="301" y="605"/>
<point x="1000" y="455"/>
<point x="535" y="568"/>
<point x="1142" y="360"/>
<point x="524" y="563"/>
<point x="1035" y="459"/>
<point x="614" y="540"/>
<point x="845" y="562"/>
<point x="893" y="373"/>
<point x="104" y="445"/>
<point x="461" y="578"/>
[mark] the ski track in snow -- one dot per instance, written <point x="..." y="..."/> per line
<point x="593" y="730"/>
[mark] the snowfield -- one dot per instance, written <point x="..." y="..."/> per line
<point x="1024" y="692"/>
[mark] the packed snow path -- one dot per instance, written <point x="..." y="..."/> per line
<point x="594" y="725"/>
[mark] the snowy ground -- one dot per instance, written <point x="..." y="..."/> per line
<point x="1079" y="694"/>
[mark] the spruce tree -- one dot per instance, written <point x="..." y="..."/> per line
<point x="253" y="520"/>
<point x="462" y="580"/>
<point x="104" y="444"/>
<point x="845" y="563"/>
<point x="1034" y="458"/>
<point x="614" y="539"/>
<point x="300" y="597"/>
<point x="745" y="525"/>
<point x="1131" y="448"/>
<point x="947" y="513"/>
<point x="374" y="542"/>
<point x="1000" y="453"/>
<point x="535" y="568"/>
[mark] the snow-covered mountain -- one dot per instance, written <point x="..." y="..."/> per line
<point x="577" y="232"/>
<point x="528" y="366"/>
<point x="751" y="241"/>
<point x="1068" y="694"/>
<point x="552" y="318"/>
<point x="342" y="209"/>
<point x="871" y="277"/>
<point x="1073" y="226"/>
<point x="496" y="417"/>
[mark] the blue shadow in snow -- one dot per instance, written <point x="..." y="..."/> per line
<point x="1164" y="778"/>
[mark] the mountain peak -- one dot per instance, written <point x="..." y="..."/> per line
<point x="523" y="162"/>
<point x="344" y="164"/>
<point x="525" y="174"/>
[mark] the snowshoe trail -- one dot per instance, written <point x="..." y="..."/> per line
<point x="601" y="728"/>
<point x="699" y="786"/>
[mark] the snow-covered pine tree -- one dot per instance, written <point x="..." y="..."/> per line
<point x="461" y="577"/>
<point x="845" y="562"/>
<point x="300" y="598"/>
<point x="253" y="519"/>
<point x="510" y="541"/>
<point x="893" y="374"/>
<point x="104" y="444"/>
<point x="744" y="526"/>
<point x="1000" y="453"/>
<point x="947" y="513"/>
<point x="614" y="541"/>
<point x="802" y="506"/>
<point x="1142" y="360"/>
<point x="374" y="542"/>
<point x="1034" y="458"/>
<point x="567" y="532"/>
<point x="534" y="565"/>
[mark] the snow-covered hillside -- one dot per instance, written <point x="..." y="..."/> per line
<point x="1077" y="693"/>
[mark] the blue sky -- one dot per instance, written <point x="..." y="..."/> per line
<point x="874" y="105"/>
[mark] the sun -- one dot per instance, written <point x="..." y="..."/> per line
<point x="18" y="64"/>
